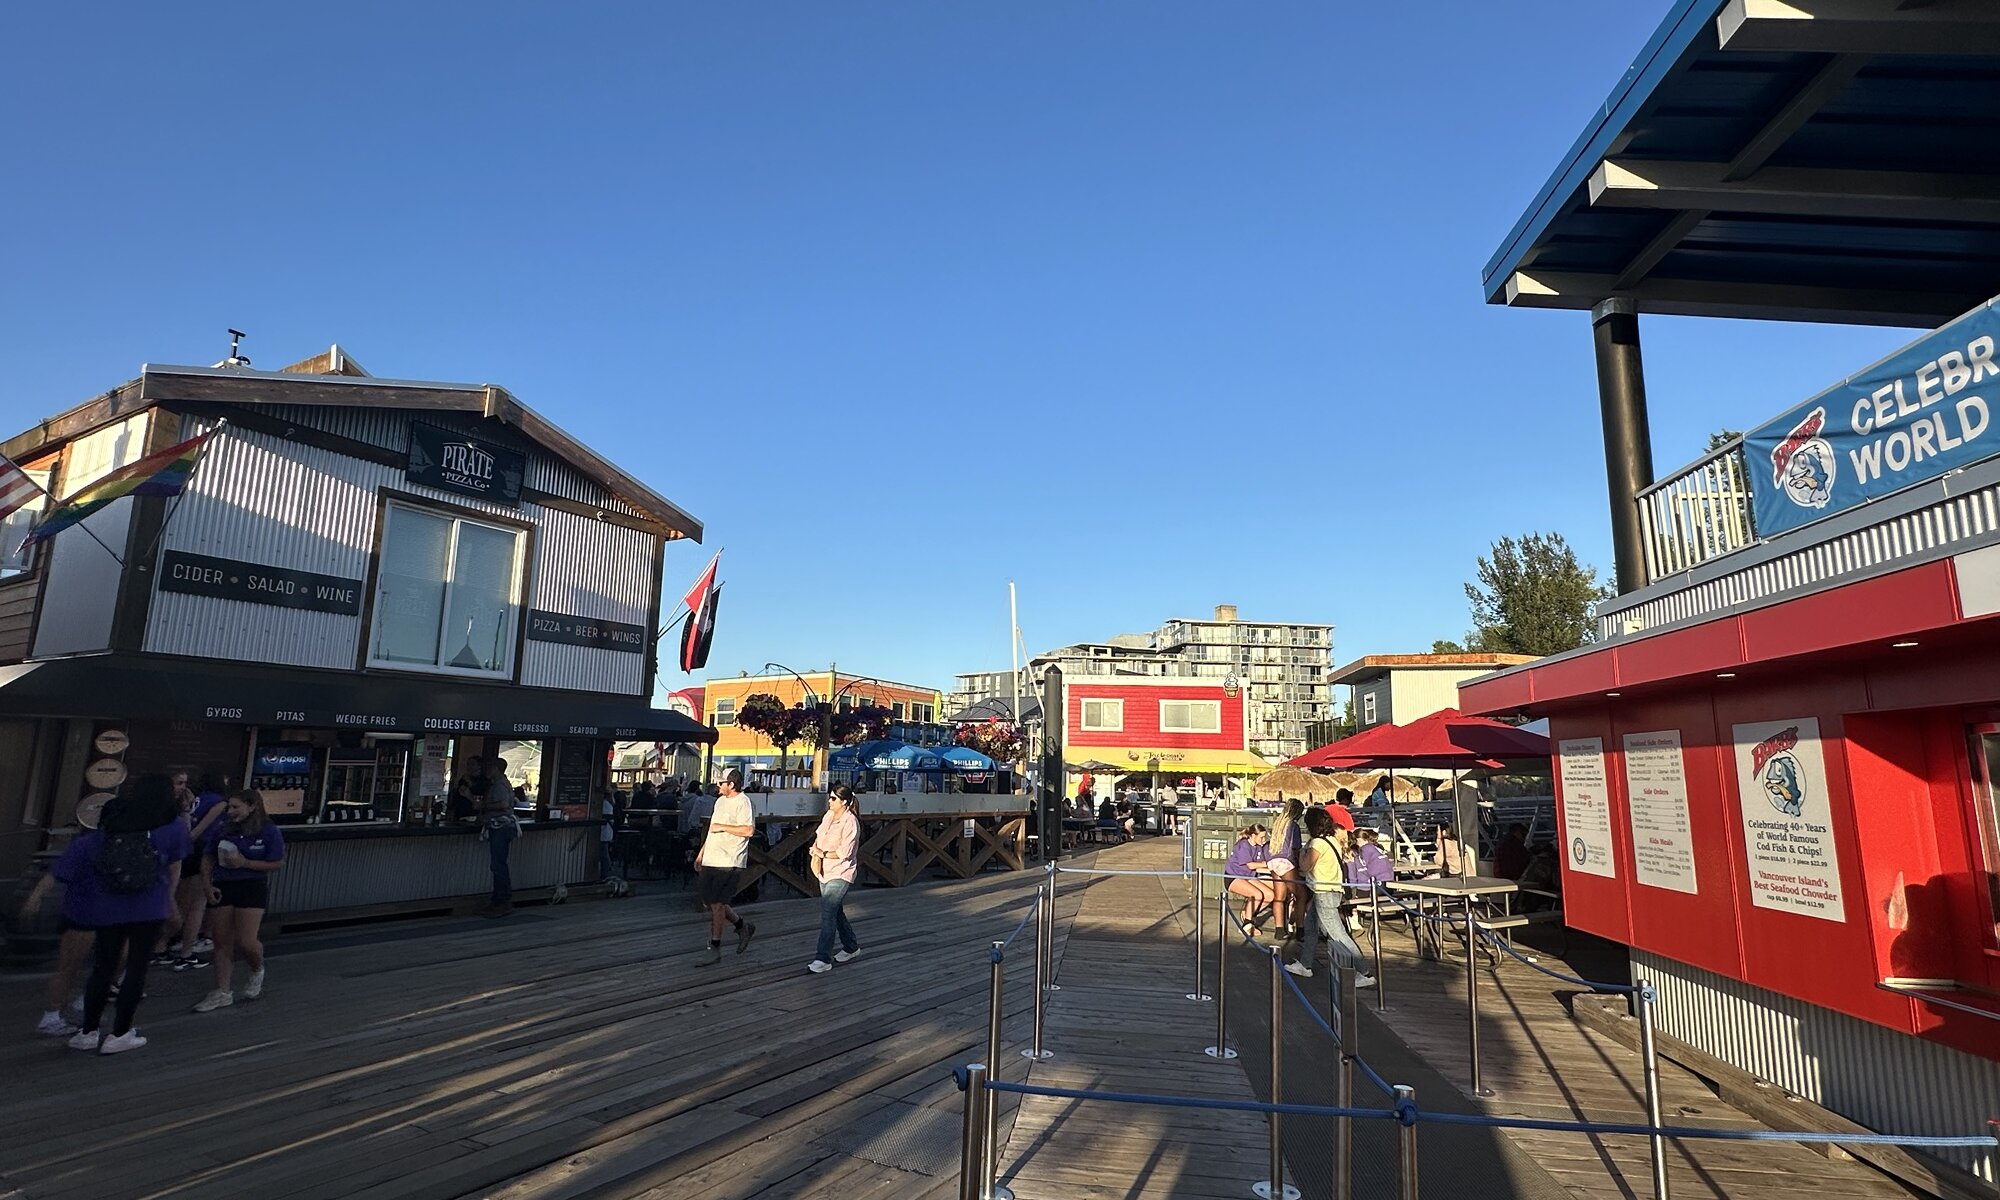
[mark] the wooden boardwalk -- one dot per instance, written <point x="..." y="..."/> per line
<point x="569" y="1053"/>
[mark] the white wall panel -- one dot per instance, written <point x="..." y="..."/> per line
<point x="80" y="597"/>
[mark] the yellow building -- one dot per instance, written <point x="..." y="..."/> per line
<point x="736" y="746"/>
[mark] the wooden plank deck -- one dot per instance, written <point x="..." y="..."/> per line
<point x="569" y="1053"/>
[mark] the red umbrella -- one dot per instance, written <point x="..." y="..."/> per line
<point x="1448" y="740"/>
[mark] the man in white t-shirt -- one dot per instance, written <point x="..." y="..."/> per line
<point x="724" y="855"/>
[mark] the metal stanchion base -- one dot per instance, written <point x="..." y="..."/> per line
<point x="1044" y="1056"/>
<point x="1000" y="1193"/>
<point x="1220" y="1052"/>
<point x="1199" y="996"/>
<point x="1485" y="1093"/>
<point x="1263" y="1190"/>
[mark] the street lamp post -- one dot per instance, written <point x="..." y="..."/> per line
<point x="810" y="690"/>
<point x="827" y="706"/>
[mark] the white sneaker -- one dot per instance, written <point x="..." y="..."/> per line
<point x="119" y="1043"/>
<point x="847" y="956"/>
<point x="86" y="1041"/>
<point x="214" y="1000"/>
<point x="1364" y="981"/>
<point x="53" y="1025"/>
<point x="203" y="946"/>
<point x="819" y="966"/>
<point x="255" y="987"/>
<point x="1301" y="970"/>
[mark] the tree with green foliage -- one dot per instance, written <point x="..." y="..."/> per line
<point x="1533" y="597"/>
<point x="1447" y="646"/>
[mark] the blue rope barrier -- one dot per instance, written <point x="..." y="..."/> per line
<point x="1382" y="1085"/>
<point x="1410" y="1114"/>
<point x="1621" y="989"/>
<point x="1025" y="918"/>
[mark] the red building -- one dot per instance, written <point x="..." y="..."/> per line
<point x="1775" y="767"/>
<point x="1181" y="728"/>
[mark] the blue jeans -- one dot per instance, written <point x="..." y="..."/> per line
<point x="498" y="843"/>
<point x="1323" y="916"/>
<point x="833" y="919"/>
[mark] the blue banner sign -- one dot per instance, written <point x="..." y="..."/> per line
<point x="1923" y="411"/>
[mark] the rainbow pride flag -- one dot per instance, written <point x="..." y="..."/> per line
<point x="164" y="473"/>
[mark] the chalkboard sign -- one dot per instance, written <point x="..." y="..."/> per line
<point x="575" y="762"/>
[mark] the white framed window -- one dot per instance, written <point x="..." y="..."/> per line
<point x="896" y="710"/>
<point x="1368" y="708"/>
<point x="1104" y="716"/>
<point x="1190" y="716"/>
<point x="725" y="713"/>
<point x="447" y="594"/>
<point x="16" y="556"/>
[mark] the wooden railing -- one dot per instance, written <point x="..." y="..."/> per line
<point x="899" y="848"/>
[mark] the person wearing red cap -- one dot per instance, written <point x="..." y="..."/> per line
<point x="1339" y="811"/>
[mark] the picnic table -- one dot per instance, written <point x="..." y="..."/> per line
<point x="1436" y="891"/>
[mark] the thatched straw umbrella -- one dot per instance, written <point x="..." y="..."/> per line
<point x="1287" y="783"/>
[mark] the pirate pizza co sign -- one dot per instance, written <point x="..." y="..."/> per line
<point x="1923" y="411"/>
<point x="470" y="466"/>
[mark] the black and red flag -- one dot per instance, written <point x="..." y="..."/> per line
<point x="700" y="631"/>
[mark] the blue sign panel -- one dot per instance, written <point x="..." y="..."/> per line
<point x="1923" y="411"/>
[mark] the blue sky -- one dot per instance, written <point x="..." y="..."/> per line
<point x="1145" y="305"/>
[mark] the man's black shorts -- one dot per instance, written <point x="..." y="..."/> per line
<point x="718" y="885"/>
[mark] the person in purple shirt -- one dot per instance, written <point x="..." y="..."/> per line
<point x="247" y="849"/>
<point x="1247" y="875"/>
<point x="106" y="872"/>
<point x="1369" y="866"/>
<point x="204" y="817"/>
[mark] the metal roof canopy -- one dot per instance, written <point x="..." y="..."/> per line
<point x="1804" y="160"/>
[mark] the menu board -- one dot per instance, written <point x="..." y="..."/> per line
<point x="1586" y="806"/>
<point x="1787" y="818"/>
<point x="574" y="766"/>
<point x="1657" y="798"/>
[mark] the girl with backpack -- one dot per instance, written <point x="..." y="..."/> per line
<point x="120" y="878"/>
<point x="1325" y="864"/>
<point x="247" y="850"/>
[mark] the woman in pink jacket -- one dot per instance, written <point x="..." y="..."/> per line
<point x="836" y="852"/>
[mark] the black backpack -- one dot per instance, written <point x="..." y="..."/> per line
<point x="127" y="862"/>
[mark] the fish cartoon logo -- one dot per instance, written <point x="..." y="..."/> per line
<point x="1777" y="769"/>
<point x="1803" y="466"/>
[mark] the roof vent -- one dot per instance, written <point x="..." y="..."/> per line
<point x="236" y="361"/>
<point x="1225" y="613"/>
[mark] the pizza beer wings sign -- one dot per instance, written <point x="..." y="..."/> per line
<point x="1923" y="411"/>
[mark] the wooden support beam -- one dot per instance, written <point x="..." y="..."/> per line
<point x="1795" y="191"/>
<point x="1956" y="27"/>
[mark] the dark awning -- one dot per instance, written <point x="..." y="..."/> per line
<point x="127" y="687"/>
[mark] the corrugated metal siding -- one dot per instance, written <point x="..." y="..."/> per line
<point x="81" y="579"/>
<point x="1869" y="1074"/>
<point x="261" y="499"/>
<point x="264" y="499"/>
<point x="350" y="873"/>
<point x="389" y="429"/>
<point x="1952" y="525"/>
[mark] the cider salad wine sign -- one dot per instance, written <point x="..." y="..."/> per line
<point x="1787" y="818"/>
<point x="1656" y="792"/>
<point x="1586" y="807"/>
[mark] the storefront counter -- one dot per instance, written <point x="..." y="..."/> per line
<point x="360" y="870"/>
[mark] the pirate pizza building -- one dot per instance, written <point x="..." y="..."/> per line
<point x="1777" y="764"/>
<point x="364" y="590"/>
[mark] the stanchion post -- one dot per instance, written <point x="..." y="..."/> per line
<point x="1643" y="1000"/>
<point x="1375" y="936"/>
<point x="1035" y="1053"/>
<point x="1406" y="1150"/>
<point x="1275" y="1188"/>
<point x="1348" y="1010"/>
<point x="1051" y="980"/>
<point x="1472" y="997"/>
<point x="972" y="1144"/>
<point x="1199" y="908"/>
<point x="990" y="1165"/>
<point x="1221" y="1048"/>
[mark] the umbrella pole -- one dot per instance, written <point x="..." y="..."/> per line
<point x="1458" y="819"/>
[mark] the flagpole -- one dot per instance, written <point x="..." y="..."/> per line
<point x="80" y="524"/>
<point x="220" y="424"/>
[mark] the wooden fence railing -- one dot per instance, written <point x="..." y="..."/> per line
<point x="900" y="848"/>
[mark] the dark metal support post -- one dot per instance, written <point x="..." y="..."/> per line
<point x="1043" y="934"/>
<point x="995" y="1001"/>
<point x="1199" y="905"/>
<point x="1643" y="1000"/>
<point x="1221" y="1048"/>
<point x="1275" y="1188"/>
<point x="1628" y="440"/>
<point x="972" y="1143"/>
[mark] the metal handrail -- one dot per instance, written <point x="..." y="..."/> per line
<point x="1700" y="512"/>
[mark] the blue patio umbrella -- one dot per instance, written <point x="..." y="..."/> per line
<point x="905" y="757"/>
<point x="965" y="758"/>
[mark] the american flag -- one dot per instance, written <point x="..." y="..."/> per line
<point x="16" y="488"/>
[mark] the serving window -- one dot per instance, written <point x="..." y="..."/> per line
<point x="447" y="594"/>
